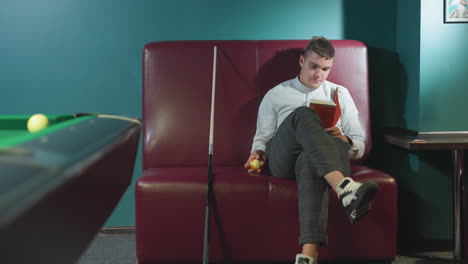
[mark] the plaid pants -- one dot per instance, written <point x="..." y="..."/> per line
<point x="302" y="150"/>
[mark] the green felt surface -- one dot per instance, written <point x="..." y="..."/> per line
<point x="13" y="130"/>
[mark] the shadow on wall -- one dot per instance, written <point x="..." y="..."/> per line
<point x="388" y="89"/>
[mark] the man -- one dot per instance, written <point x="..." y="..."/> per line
<point x="292" y="142"/>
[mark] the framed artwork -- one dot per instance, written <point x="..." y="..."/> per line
<point x="455" y="11"/>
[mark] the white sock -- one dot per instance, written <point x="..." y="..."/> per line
<point x="346" y="189"/>
<point x="304" y="259"/>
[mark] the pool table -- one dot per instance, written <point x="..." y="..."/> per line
<point x="59" y="185"/>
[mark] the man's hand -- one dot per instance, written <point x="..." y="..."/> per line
<point x="256" y="154"/>
<point x="336" y="132"/>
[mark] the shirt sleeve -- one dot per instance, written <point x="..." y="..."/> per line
<point x="350" y="125"/>
<point x="266" y="122"/>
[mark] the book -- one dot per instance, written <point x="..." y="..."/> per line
<point x="329" y="112"/>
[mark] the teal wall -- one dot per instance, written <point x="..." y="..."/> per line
<point x="444" y="71"/>
<point x="67" y="56"/>
<point x="408" y="45"/>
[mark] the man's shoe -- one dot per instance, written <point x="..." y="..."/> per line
<point x="304" y="259"/>
<point x="357" y="197"/>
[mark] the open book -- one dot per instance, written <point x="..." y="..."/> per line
<point x="329" y="112"/>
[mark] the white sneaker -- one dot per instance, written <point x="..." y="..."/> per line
<point x="356" y="197"/>
<point x="304" y="259"/>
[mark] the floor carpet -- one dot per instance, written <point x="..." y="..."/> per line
<point x="120" y="249"/>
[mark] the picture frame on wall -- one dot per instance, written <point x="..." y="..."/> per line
<point x="455" y="11"/>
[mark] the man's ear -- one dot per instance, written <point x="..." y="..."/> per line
<point x="301" y="60"/>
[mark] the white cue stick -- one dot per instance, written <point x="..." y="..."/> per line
<point x="209" y="196"/>
<point x="213" y="86"/>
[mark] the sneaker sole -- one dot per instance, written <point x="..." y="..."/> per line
<point x="362" y="205"/>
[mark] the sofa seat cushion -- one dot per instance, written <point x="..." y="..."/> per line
<point x="249" y="215"/>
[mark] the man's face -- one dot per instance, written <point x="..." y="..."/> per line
<point x="314" y="69"/>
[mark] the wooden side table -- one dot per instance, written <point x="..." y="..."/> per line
<point x="456" y="142"/>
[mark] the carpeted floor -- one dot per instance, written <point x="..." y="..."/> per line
<point x="110" y="249"/>
<point x="120" y="249"/>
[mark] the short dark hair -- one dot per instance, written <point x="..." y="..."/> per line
<point x="321" y="46"/>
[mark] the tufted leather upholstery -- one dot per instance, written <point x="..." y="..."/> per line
<point x="255" y="217"/>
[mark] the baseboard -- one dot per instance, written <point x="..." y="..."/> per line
<point x="117" y="231"/>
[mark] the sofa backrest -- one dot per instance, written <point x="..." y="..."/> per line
<point x="177" y="77"/>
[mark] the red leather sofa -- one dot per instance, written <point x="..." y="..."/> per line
<point x="254" y="218"/>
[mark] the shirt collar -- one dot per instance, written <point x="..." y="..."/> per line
<point x="302" y="88"/>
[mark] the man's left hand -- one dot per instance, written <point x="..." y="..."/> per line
<point x="336" y="132"/>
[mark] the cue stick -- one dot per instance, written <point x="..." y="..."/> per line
<point x="209" y="195"/>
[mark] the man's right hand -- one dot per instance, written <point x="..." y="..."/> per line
<point x="256" y="154"/>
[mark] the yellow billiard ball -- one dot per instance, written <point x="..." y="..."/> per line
<point x="256" y="164"/>
<point x="37" y="122"/>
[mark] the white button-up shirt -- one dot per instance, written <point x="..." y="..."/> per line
<point x="284" y="98"/>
